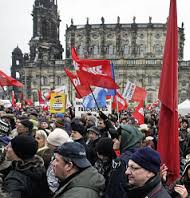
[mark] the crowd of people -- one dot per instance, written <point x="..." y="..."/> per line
<point x="93" y="156"/>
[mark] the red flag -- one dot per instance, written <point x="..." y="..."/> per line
<point x="168" y="140"/>
<point x="40" y="98"/>
<point x="138" y="114"/>
<point x="133" y="92"/>
<point x="82" y="90"/>
<point x="29" y="102"/>
<point x="98" y="80"/>
<point x="13" y="99"/>
<point x="96" y="72"/>
<point x="119" y="102"/>
<point x="6" y="80"/>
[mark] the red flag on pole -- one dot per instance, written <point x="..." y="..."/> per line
<point x="138" y="114"/>
<point x="133" y="92"/>
<point x="119" y="102"/>
<point x="40" y="98"/>
<point x="168" y="140"/>
<point x="13" y="99"/>
<point x="82" y="90"/>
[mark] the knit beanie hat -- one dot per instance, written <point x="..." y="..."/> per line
<point x="148" y="159"/>
<point x="77" y="125"/>
<point x="27" y="123"/>
<point x="24" y="146"/>
<point x="58" y="137"/>
<point x="105" y="147"/>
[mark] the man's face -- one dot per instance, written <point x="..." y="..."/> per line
<point x="101" y="124"/>
<point x="60" y="167"/>
<point x="92" y="136"/>
<point x="10" y="154"/>
<point x="137" y="176"/>
<point x="21" y="128"/>
<point x="75" y="135"/>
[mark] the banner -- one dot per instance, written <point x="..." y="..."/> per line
<point x="80" y="109"/>
<point x="57" y="102"/>
<point x="133" y="92"/>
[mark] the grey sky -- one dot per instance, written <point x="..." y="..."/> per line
<point x="16" y="19"/>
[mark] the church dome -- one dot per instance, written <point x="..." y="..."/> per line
<point x="17" y="50"/>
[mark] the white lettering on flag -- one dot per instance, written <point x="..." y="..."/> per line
<point x="129" y="90"/>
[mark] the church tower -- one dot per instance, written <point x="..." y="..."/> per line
<point x="45" y="44"/>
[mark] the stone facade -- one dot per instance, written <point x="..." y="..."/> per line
<point x="136" y="49"/>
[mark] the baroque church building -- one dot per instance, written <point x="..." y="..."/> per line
<point x="136" y="49"/>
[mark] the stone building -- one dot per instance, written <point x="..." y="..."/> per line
<point x="136" y="49"/>
<point x="42" y="68"/>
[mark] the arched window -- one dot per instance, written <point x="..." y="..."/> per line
<point x="44" y="80"/>
<point x="126" y="49"/>
<point x="149" y="80"/>
<point x="80" y="50"/>
<point x="95" y="50"/>
<point x="142" y="49"/>
<point x="110" y="50"/>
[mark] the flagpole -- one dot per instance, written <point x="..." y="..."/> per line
<point x="94" y="98"/>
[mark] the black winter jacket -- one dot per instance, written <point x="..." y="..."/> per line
<point x="27" y="179"/>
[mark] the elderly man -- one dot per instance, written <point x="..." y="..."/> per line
<point x="77" y="177"/>
<point x="143" y="172"/>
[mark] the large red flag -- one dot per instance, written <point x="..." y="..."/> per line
<point x="94" y="72"/>
<point x="138" y="114"/>
<point x="82" y="90"/>
<point x="168" y="140"/>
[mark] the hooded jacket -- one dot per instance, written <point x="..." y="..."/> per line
<point x="87" y="184"/>
<point x="27" y="179"/>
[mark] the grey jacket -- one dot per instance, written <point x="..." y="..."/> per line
<point x="87" y="184"/>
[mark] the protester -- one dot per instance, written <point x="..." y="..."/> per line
<point x="143" y="172"/>
<point x="24" y="127"/>
<point x="27" y="177"/>
<point x="56" y="138"/>
<point x="93" y="138"/>
<point x="78" y="132"/>
<point x="78" y="178"/>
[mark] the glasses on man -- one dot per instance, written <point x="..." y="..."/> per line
<point x="133" y="168"/>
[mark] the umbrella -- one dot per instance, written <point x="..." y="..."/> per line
<point x="6" y="80"/>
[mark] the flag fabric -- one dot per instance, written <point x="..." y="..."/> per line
<point x="99" y="94"/>
<point x="29" y="102"/>
<point x="90" y="79"/>
<point x="13" y="99"/>
<point x="138" y="114"/>
<point x="119" y="103"/>
<point x="40" y="97"/>
<point x="133" y="92"/>
<point x="6" y="80"/>
<point x="168" y="140"/>
<point x="94" y="72"/>
<point x="82" y="90"/>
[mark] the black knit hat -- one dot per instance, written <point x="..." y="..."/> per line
<point x="25" y="147"/>
<point x="105" y="147"/>
<point x="148" y="159"/>
<point x="27" y="123"/>
<point x="77" y="125"/>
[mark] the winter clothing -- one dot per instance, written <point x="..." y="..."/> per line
<point x="58" y="137"/>
<point x="152" y="189"/>
<point x="25" y="147"/>
<point x="147" y="158"/>
<point x="27" y="179"/>
<point x="85" y="184"/>
<point x="74" y="151"/>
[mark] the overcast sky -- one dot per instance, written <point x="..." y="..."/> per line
<point x="16" y="20"/>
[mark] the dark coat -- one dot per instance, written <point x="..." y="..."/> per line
<point x="153" y="188"/>
<point x="86" y="184"/>
<point x="27" y="179"/>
